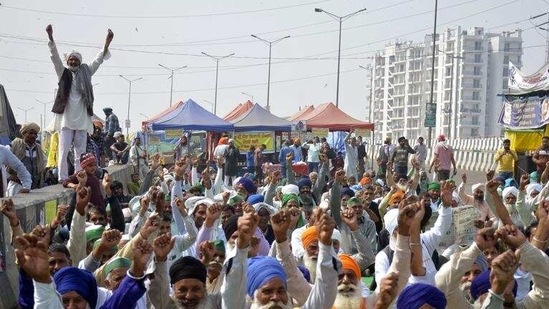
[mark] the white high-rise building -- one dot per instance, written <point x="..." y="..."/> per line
<point x="473" y="66"/>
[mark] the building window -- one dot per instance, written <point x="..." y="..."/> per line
<point x="505" y="71"/>
<point x="476" y="95"/>
<point x="505" y="84"/>
<point x="448" y="71"/>
<point x="474" y="132"/>
<point x="476" y="71"/>
<point x="505" y="59"/>
<point x="478" y="58"/>
<point x="478" y="45"/>
<point x="507" y="47"/>
<point x="476" y="83"/>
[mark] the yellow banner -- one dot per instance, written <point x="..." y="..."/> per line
<point x="320" y="132"/>
<point x="51" y="210"/>
<point x="173" y="133"/>
<point x="365" y="133"/>
<point x="245" y="140"/>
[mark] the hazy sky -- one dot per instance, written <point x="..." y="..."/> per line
<point x="174" y="33"/>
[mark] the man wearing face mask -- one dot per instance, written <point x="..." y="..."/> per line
<point x="73" y="105"/>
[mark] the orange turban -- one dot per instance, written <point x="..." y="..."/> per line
<point x="365" y="181"/>
<point x="223" y="141"/>
<point x="397" y="195"/>
<point x="350" y="264"/>
<point x="308" y="236"/>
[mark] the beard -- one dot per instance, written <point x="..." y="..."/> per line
<point x="349" y="296"/>
<point x="310" y="263"/>
<point x="466" y="290"/>
<point x="270" y="305"/>
<point x="179" y="305"/>
<point x="73" y="69"/>
<point x="479" y="198"/>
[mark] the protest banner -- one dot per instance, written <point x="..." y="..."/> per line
<point x="244" y="140"/>
<point x="464" y="224"/>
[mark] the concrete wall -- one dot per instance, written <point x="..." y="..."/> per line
<point x="36" y="207"/>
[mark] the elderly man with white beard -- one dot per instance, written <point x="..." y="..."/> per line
<point x="323" y="292"/>
<point x="349" y="294"/>
<point x="187" y="275"/>
<point x="73" y="105"/>
<point x="508" y="203"/>
<point x="477" y="199"/>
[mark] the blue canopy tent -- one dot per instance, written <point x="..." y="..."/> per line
<point x="191" y="117"/>
<point x="260" y="119"/>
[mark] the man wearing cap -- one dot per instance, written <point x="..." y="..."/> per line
<point x="444" y="156"/>
<point x="30" y="153"/>
<point x="187" y="275"/>
<point x="87" y="178"/>
<point x="477" y="199"/>
<point x="73" y="106"/>
<point x="111" y="126"/>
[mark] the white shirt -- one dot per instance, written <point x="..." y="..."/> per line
<point x="9" y="159"/>
<point x="75" y="116"/>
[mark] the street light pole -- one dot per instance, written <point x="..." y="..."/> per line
<point x="172" y="70"/>
<point x="250" y="96"/>
<point x="210" y="102"/>
<point x="44" y="119"/>
<point x="339" y="19"/>
<point x="25" y="110"/>
<point x="270" y="44"/>
<point x="432" y="96"/>
<point x="130" y="82"/>
<point x="216" y="59"/>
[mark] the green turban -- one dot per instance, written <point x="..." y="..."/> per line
<point x="115" y="263"/>
<point x="433" y="186"/>
<point x="354" y="201"/>
<point x="219" y="245"/>
<point x="235" y="199"/>
<point x="94" y="232"/>
<point x="290" y="197"/>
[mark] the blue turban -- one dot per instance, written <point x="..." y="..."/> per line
<point x="482" y="263"/>
<point x="78" y="280"/>
<point x="248" y="184"/>
<point x="416" y="295"/>
<point x="306" y="273"/>
<point x="261" y="269"/>
<point x="510" y="182"/>
<point x="481" y="285"/>
<point x="347" y="191"/>
<point x="304" y="182"/>
<point x="256" y="198"/>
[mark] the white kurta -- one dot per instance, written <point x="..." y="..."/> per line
<point x="75" y="116"/>
<point x="351" y="161"/>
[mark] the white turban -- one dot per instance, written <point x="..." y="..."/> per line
<point x="74" y="53"/>
<point x="479" y="186"/>
<point x="269" y="208"/>
<point x="391" y="220"/>
<point x="194" y="201"/>
<point x="533" y="187"/>
<point x="336" y="235"/>
<point x="290" y="189"/>
<point x="510" y="190"/>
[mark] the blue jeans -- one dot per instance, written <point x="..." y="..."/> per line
<point x="401" y="170"/>
<point x="506" y="175"/>
<point x="313" y="166"/>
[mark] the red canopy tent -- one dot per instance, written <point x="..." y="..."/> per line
<point x="301" y="113"/>
<point x="239" y="110"/>
<point x="329" y="116"/>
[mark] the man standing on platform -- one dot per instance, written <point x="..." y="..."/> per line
<point x="444" y="159"/>
<point x="505" y="158"/>
<point x="111" y="126"/>
<point x="421" y="153"/>
<point x="73" y="105"/>
<point x="362" y="156"/>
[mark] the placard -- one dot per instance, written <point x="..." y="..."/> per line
<point x="320" y="132"/>
<point x="173" y="133"/>
<point x="464" y="224"/>
<point x="246" y="139"/>
<point x="50" y="208"/>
